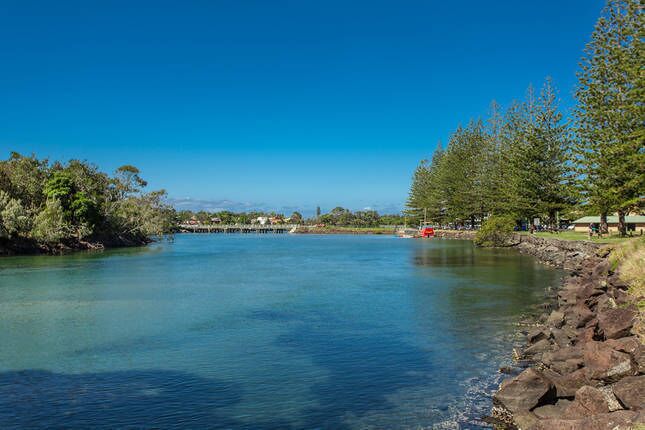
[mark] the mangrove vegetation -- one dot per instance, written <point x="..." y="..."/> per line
<point x="51" y="206"/>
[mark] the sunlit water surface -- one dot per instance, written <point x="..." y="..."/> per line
<point x="262" y="332"/>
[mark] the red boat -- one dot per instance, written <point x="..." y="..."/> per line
<point x="427" y="231"/>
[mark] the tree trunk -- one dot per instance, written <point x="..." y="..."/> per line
<point x="472" y="222"/>
<point x="603" y="222"/>
<point x="622" y="228"/>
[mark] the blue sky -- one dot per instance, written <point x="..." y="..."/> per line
<point x="272" y="104"/>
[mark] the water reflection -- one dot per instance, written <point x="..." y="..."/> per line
<point x="260" y="332"/>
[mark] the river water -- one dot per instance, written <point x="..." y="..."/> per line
<point x="262" y="332"/>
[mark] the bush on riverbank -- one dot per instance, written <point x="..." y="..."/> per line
<point x="52" y="206"/>
<point x="495" y="231"/>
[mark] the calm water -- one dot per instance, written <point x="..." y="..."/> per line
<point x="261" y="332"/>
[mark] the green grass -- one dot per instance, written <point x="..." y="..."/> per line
<point x="575" y="235"/>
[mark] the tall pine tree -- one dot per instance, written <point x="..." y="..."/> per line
<point x="610" y="137"/>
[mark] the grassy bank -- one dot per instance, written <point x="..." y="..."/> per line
<point x="575" y="235"/>
<point x="629" y="259"/>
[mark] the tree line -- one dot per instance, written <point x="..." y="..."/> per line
<point x="54" y="205"/>
<point x="343" y="217"/>
<point x="338" y="216"/>
<point x="230" y="217"/>
<point x="528" y="161"/>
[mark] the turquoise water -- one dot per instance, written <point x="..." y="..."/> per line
<point x="261" y="332"/>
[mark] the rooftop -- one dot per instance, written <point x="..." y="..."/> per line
<point x="610" y="219"/>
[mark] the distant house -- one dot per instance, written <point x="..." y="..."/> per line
<point x="634" y="223"/>
<point x="276" y="220"/>
<point x="262" y="220"/>
<point x="216" y="220"/>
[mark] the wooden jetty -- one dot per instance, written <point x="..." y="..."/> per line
<point x="236" y="228"/>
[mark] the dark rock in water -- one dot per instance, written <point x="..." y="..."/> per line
<point x="602" y="362"/>
<point x="526" y="391"/>
<point x="631" y="392"/>
<point x="616" y="323"/>
<point x="588" y="400"/>
<point x="552" y="411"/>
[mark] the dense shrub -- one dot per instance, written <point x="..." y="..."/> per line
<point x="50" y="204"/>
<point x="495" y="231"/>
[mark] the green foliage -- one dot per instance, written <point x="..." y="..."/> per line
<point x="514" y="163"/>
<point x="495" y="231"/>
<point x="296" y="217"/>
<point x="14" y="219"/>
<point x="338" y="216"/>
<point x="54" y="203"/>
<point x="610" y="151"/>
<point x="50" y="226"/>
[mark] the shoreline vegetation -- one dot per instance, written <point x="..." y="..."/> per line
<point x="53" y="207"/>
<point x="529" y="166"/>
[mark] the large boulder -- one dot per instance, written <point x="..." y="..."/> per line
<point x="537" y="348"/>
<point x="604" y="363"/>
<point x="589" y="293"/>
<point x="619" y="420"/>
<point x="525" y="392"/>
<point x="631" y="345"/>
<point x="566" y="385"/>
<point x="552" y="411"/>
<point x="555" y="319"/>
<point x="612" y="401"/>
<point x="536" y="335"/>
<point x="616" y="323"/>
<point x="588" y="401"/>
<point x="579" y="315"/>
<point x="561" y="337"/>
<point x="567" y="366"/>
<point x="631" y="392"/>
<point x="564" y="360"/>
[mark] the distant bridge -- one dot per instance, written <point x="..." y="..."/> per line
<point x="236" y="228"/>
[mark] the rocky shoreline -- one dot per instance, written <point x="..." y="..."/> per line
<point x="587" y="363"/>
<point x="583" y="364"/>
